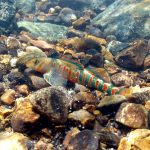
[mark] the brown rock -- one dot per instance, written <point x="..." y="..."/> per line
<point x="23" y="89"/>
<point x="121" y="79"/>
<point x="138" y="139"/>
<point x="52" y="102"/>
<point x="8" y="97"/>
<point x="81" y="23"/>
<point x="82" y="116"/>
<point x="133" y="57"/>
<point x="132" y="115"/>
<point x="147" y="62"/>
<point x="24" y="118"/>
<point x="84" y="140"/>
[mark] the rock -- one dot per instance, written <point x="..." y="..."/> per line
<point x="81" y="23"/>
<point x="85" y="139"/>
<point x="8" y="97"/>
<point x="25" y="6"/>
<point x="66" y="16"/>
<point x="97" y="60"/>
<point x="38" y="82"/>
<point x="7" y="18"/>
<point x="83" y="116"/>
<point x="13" y="141"/>
<point x="132" y="115"/>
<point x="24" y="118"/>
<point x="121" y="79"/>
<point x="111" y="100"/>
<point x="46" y="31"/>
<point x="4" y="68"/>
<point x="1" y="89"/>
<point x="137" y="139"/>
<point x="133" y="57"/>
<point x="80" y="88"/>
<point x="52" y="102"/>
<point x="125" y="19"/>
<point x="12" y="43"/>
<point x="3" y="49"/>
<point x="116" y="46"/>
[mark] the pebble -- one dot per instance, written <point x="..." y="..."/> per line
<point x="24" y="119"/>
<point x="23" y="89"/>
<point x="8" y="97"/>
<point x="132" y="115"/>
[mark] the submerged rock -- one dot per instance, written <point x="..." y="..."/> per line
<point x="133" y="57"/>
<point x="125" y="19"/>
<point x="46" y="31"/>
<point x="52" y="102"/>
<point x="133" y="115"/>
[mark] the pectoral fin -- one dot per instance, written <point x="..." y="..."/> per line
<point x="55" y="77"/>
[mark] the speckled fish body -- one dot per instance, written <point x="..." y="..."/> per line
<point x="69" y="70"/>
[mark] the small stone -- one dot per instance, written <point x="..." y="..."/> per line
<point x="84" y="140"/>
<point x="121" y="79"/>
<point x="52" y="102"/>
<point x="23" y="89"/>
<point x="80" y="88"/>
<point x="3" y="49"/>
<point x="13" y="141"/>
<point x="111" y="100"/>
<point x="82" y="116"/>
<point x="1" y="89"/>
<point x="24" y="118"/>
<point x="138" y="139"/>
<point x="8" y="97"/>
<point x="132" y="115"/>
<point x="147" y="62"/>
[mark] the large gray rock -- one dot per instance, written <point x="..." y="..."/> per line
<point x="126" y="19"/>
<point x="46" y="31"/>
<point x="25" y="6"/>
<point x="7" y="15"/>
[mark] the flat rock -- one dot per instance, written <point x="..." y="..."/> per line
<point x="132" y="115"/>
<point x="125" y="19"/>
<point x="133" y="57"/>
<point x="137" y="139"/>
<point x="111" y="100"/>
<point x="52" y="102"/>
<point x="45" y="31"/>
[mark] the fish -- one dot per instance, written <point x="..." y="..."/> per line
<point x="58" y="71"/>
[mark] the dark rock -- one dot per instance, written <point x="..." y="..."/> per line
<point x="3" y="49"/>
<point x="85" y="140"/>
<point x="132" y="115"/>
<point x="91" y="51"/>
<point x="24" y="118"/>
<point x="121" y="79"/>
<point x="52" y="102"/>
<point x="4" y="69"/>
<point x="116" y="46"/>
<point x="1" y="89"/>
<point x="133" y="57"/>
<point x="119" y="19"/>
<point x="7" y="18"/>
<point x="97" y="60"/>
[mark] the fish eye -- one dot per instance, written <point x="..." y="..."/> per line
<point x="36" y="62"/>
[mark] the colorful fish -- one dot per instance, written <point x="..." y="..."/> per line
<point x="58" y="71"/>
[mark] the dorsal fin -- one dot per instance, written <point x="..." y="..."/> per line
<point x="76" y="63"/>
<point x="100" y="73"/>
